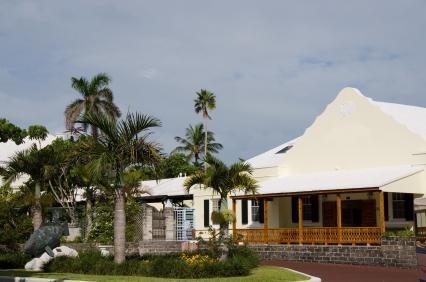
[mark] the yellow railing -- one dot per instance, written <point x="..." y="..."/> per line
<point x="311" y="235"/>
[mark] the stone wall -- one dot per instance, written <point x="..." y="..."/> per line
<point x="394" y="251"/>
<point x="141" y="248"/>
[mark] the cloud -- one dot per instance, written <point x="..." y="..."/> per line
<point x="274" y="66"/>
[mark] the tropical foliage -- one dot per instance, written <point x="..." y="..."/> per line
<point x="120" y="146"/>
<point x="224" y="180"/>
<point x="9" y="131"/>
<point x="204" y="102"/>
<point x="96" y="97"/>
<point x="194" y="141"/>
<point x="31" y="163"/>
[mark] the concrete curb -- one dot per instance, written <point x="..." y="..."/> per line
<point x="313" y="278"/>
<point x="33" y="279"/>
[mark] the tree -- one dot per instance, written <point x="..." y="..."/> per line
<point x="96" y="98"/>
<point x="121" y="146"/>
<point x="176" y="164"/>
<point x="224" y="180"/>
<point x="31" y="162"/>
<point x="9" y="131"/>
<point x="204" y="102"/>
<point x="193" y="143"/>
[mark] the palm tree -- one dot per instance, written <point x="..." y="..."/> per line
<point x="121" y="145"/>
<point x="204" y="102"/>
<point x="96" y="97"/>
<point x="224" y="180"/>
<point x="30" y="162"/>
<point x="193" y="143"/>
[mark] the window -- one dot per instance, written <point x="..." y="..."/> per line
<point x="284" y="150"/>
<point x="215" y="205"/>
<point x="255" y="210"/>
<point x="307" y="208"/>
<point x="398" y="205"/>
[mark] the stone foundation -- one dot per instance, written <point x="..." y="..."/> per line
<point x="394" y="251"/>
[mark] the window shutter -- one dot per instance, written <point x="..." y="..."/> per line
<point x="386" y="199"/>
<point x="261" y="211"/>
<point x="294" y="210"/>
<point x="408" y="206"/>
<point x="244" y="211"/>
<point x="315" y="208"/>
<point x="206" y="213"/>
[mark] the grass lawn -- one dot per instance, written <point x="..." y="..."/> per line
<point x="262" y="273"/>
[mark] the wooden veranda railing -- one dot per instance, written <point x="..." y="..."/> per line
<point x="311" y="235"/>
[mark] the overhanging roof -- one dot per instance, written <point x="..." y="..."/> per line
<point x="169" y="187"/>
<point x="338" y="180"/>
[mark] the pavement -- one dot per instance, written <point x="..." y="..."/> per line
<point x="349" y="273"/>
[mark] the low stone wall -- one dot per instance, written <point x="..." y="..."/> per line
<point x="140" y="248"/>
<point x="393" y="251"/>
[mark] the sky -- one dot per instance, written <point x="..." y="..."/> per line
<point x="273" y="65"/>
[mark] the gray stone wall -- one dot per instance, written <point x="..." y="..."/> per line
<point x="394" y="251"/>
<point x="141" y="248"/>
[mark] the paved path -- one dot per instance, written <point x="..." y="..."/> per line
<point x="349" y="273"/>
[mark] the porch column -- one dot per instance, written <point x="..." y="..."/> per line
<point x="234" y="222"/>
<point x="339" y="217"/>
<point x="265" y="220"/>
<point x="381" y="212"/>
<point x="300" y="202"/>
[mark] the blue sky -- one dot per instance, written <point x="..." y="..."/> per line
<point x="273" y="65"/>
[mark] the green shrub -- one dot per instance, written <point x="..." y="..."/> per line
<point x="103" y="229"/>
<point x="399" y="233"/>
<point x="184" y="265"/>
<point x="13" y="260"/>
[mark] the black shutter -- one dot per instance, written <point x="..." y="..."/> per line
<point x="206" y="213"/>
<point x="408" y="206"/>
<point x="261" y="211"/>
<point x="386" y="200"/>
<point x="244" y="211"/>
<point x="294" y="209"/>
<point x="315" y="208"/>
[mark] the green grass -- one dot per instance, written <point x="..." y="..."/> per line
<point x="262" y="273"/>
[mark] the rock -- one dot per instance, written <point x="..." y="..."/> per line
<point x="65" y="251"/>
<point x="40" y="262"/>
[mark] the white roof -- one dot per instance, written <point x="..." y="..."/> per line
<point x="9" y="148"/>
<point x="411" y="116"/>
<point x="337" y="180"/>
<point x="270" y="158"/>
<point x="168" y="186"/>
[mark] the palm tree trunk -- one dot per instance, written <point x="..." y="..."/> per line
<point x="119" y="227"/>
<point x="89" y="218"/>
<point x="224" y="226"/>
<point x="36" y="210"/>
<point x="205" y="143"/>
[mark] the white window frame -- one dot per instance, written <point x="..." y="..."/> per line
<point x="255" y="210"/>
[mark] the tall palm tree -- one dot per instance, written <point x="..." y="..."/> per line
<point x="224" y="180"/>
<point x="193" y="143"/>
<point x="30" y="162"/>
<point x="96" y="97"/>
<point x="204" y="102"/>
<point x="121" y="145"/>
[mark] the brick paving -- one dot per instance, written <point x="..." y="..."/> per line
<point x="349" y="273"/>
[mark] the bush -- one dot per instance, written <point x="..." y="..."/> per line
<point x="404" y="233"/>
<point x="103" y="229"/>
<point x="13" y="260"/>
<point x="184" y="265"/>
